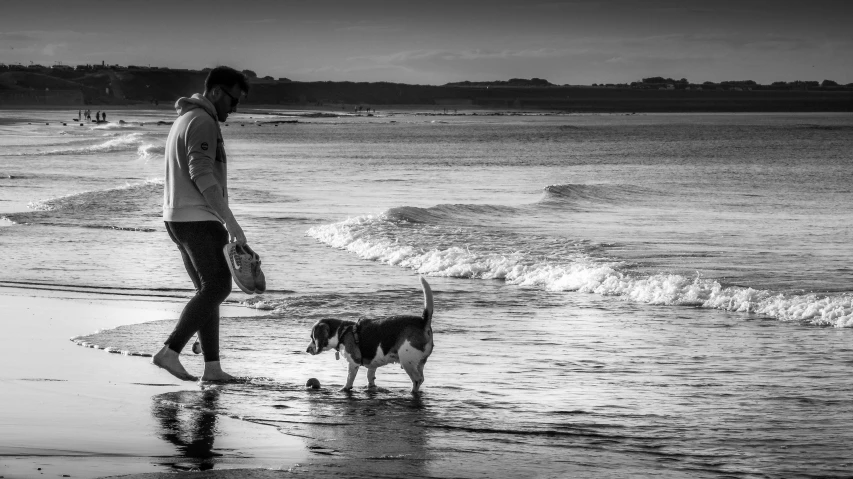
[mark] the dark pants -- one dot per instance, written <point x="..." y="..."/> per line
<point x="200" y="244"/>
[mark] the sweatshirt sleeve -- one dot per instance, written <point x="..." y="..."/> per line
<point x="201" y="151"/>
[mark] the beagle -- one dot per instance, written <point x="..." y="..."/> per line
<point x="373" y="343"/>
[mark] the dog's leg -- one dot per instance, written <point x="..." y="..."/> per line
<point x="353" y="370"/>
<point x="414" y="369"/>
<point x="371" y="378"/>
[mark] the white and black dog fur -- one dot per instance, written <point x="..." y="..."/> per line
<point x="373" y="343"/>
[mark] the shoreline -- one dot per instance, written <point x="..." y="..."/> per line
<point x="80" y="412"/>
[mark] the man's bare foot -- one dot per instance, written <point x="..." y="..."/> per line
<point x="171" y="362"/>
<point x="213" y="372"/>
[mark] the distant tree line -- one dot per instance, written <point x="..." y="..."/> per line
<point x="684" y="84"/>
<point x="510" y="82"/>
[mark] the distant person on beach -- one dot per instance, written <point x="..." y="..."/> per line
<point x="104" y="116"/>
<point x="195" y="207"/>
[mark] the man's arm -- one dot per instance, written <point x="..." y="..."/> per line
<point x="201" y="147"/>
<point x="216" y="200"/>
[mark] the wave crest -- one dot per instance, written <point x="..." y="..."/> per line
<point x="86" y="199"/>
<point x="447" y="213"/>
<point x="126" y="142"/>
<point x="120" y="125"/>
<point x="595" y="193"/>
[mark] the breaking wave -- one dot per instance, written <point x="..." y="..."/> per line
<point x="378" y="238"/>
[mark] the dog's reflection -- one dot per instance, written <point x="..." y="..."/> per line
<point x="188" y="420"/>
<point x="381" y="427"/>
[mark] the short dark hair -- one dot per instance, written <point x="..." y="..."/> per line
<point x="227" y="77"/>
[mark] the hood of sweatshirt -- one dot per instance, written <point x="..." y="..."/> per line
<point x="198" y="100"/>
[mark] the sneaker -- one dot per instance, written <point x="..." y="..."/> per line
<point x="257" y="274"/>
<point x="260" y="279"/>
<point x="244" y="264"/>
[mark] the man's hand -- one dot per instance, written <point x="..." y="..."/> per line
<point x="235" y="232"/>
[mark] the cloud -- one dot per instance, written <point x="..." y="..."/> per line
<point x="51" y="48"/>
<point x="260" y="21"/>
<point x="439" y="55"/>
<point x="16" y="37"/>
<point x="46" y="43"/>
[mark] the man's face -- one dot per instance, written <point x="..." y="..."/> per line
<point x="227" y="101"/>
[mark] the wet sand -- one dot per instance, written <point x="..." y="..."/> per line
<point x="67" y="410"/>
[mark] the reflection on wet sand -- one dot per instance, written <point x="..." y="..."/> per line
<point x="364" y="433"/>
<point x="371" y="434"/>
<point x="187" y="419"/>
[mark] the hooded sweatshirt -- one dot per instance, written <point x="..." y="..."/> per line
<point x="195" y="161"/>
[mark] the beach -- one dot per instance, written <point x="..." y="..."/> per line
<point x="662" y="295"/>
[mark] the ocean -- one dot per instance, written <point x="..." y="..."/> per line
<point x="616" y="295"/>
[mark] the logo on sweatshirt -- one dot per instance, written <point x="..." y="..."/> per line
<point x="204" y="146"/>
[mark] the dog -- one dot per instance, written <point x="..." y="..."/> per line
<point x="373" y="343"/>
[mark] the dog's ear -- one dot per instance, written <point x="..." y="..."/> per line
<point x="322" y="331"/>
<point x="321" y="335"/>
<point x="352" y="348"/>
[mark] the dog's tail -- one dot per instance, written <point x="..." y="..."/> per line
<point x="427" y="304"/>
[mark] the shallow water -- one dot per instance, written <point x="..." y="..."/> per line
<point x="615" y="295"/>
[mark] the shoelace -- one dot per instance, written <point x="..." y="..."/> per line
<point x="236" y="258"/>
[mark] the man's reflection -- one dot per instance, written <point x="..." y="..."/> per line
<point x="188" y="420"/>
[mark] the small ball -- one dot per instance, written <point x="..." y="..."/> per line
<point x="313" y="383"/>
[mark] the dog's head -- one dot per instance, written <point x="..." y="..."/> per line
<point x="324" y="336"/>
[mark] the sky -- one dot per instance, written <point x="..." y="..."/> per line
<point x="577" y="42"/>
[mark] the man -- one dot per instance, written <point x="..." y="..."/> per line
<point x="195" y="207"/>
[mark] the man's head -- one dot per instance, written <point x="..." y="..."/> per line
<point x="223" y="87"/>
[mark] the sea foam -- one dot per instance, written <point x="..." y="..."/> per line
<point x="114" y="126"/>
<point x="149" y="151"/>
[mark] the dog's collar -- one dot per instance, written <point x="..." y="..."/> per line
<point x="355" y="334"/>
<point x="350" y="329"/>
